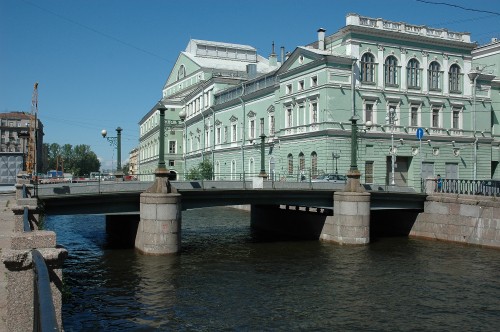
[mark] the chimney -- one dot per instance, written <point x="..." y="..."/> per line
<point x="273" y="60"/>
<point x="321" y="39"/>
<point x="282" y="54"/>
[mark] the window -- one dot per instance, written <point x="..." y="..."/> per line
<point x="455" y="121"/>
<point x="314" y="163"/>
<point x="289" y="118"/>
<point x="288" y="89"/>
<point x="225" y="134"/>
<point x="369" y="172"/>
<point x="171" y="163"/>
<point x="302" y="162"/>
<point x="252" y="129"/>
<point x="413" y="72"/>
<point x="435" y="117"/>
<point x="454" y="78"/>
<point x="368" y="68"/>
<point x="300" y="85"/>
<point x="391" y="71"/>
<point x="218" y="136"/>
<point x="181" y="73"/>
<point x="314" y="81"/>
<point x="271" y="125"/>
<point x="314" y="112"/>
<point x="290" y="164"/>
<point x="434" y="76"/>
<point x="414" y="116"/>
<point x="233" y="132"/>
<point x="368" y="112"/>
<point x="171" y="147"/>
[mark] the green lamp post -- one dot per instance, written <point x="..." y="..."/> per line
<point x="116" y="142"/>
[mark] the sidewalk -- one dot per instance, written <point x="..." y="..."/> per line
<point x="7" y="200"/>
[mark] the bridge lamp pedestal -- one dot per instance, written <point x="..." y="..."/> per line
<point x="159" y="231"/>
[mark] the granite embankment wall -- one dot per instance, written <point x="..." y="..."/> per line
<point x="464" y="219"/>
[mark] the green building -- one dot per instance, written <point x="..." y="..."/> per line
<point x="402" y="81"/>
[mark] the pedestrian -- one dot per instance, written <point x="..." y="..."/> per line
<point x="439" y="182"/>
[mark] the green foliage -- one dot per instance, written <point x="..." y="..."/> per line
<point x="126" y="169"/>
<point x="203" y="171"/>
<point x="79" y="160"/>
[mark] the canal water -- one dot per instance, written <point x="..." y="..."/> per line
<point x="228" y="278"/>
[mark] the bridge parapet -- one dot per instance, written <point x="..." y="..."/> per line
<point x="19" y="259"/>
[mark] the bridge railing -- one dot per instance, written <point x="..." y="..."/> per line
<point x="44" y="313"/>
<point x="463" y="186"/>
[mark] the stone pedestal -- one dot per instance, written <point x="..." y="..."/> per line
<point x="350" y="223"/>
<point x="20" y="276"/>
<point x="159" y="231"/>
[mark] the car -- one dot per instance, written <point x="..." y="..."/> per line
<point x="331" y="177"/>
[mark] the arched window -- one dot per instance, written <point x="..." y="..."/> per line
<point x="391" y="70"/>
<point x="454" y="78"/>
<point x="413" y="71"/>
<point x="302" y="162"/>
<point x="181" y="73"/>
<point x="314" y="163"/>
<point x="290" y="163"/>
<point x="434" y="76"/>
<point x="368" y="68"/>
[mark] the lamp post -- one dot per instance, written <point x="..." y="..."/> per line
<point x="391" y="119"/>
<point x="117" y="142"/>
<point x="336" y="156"/>
<point x="262" y="156"/>
<point x="161" y="169"/>
<point x="473" y="75"/>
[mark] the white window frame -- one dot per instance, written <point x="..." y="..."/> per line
<point x="458" y="110"/>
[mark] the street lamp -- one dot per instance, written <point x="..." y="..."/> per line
<point x="262" y="156"/>
<point x="117" y="142"/>
<point x="391" y="119"/>
<point x="336" y="156"/>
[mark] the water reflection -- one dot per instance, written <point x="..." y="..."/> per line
<point x="226" y="277"/>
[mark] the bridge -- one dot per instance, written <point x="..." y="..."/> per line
<point x="123" y="197"/>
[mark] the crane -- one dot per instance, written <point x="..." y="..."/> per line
<point x="31" y="162"/>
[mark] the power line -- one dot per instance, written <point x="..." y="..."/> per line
<point x="98" y="32"/>
<point x="458" y="6"/>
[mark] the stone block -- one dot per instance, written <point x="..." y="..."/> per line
<point x="436" y="208"/>
<point x="35" y="239"/>
<point x="470" y="211"/>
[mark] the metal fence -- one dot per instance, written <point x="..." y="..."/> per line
<point x="468" y="187"/>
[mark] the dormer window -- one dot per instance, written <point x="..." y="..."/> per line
<point x="181" y="73"/>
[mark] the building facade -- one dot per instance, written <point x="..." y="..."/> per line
<point x="411" y="87"/>
<point x="14" y="133"/>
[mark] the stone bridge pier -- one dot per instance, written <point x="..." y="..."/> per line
<point x="159" y="231"/>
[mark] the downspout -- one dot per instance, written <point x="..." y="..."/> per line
<point x="203" y="144"/>
<point x="202" y="109"/>
<point x="243" y="138"/>
<point x="213" y="141"/>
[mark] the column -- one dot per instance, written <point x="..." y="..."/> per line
<point x="350" y="223"/>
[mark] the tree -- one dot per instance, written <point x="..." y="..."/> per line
<point x="203" y="171"/>
<point x="126" y="169"/>
<point x="79" y="160"/>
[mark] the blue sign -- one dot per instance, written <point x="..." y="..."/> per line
<point x="420" y="133"/>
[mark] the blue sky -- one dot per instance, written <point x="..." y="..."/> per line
<point x="101" y="64"/>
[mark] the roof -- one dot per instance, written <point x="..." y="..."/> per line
<point x="15" y="115"/>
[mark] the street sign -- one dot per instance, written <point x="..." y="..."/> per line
<point x="420" y="133"/>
